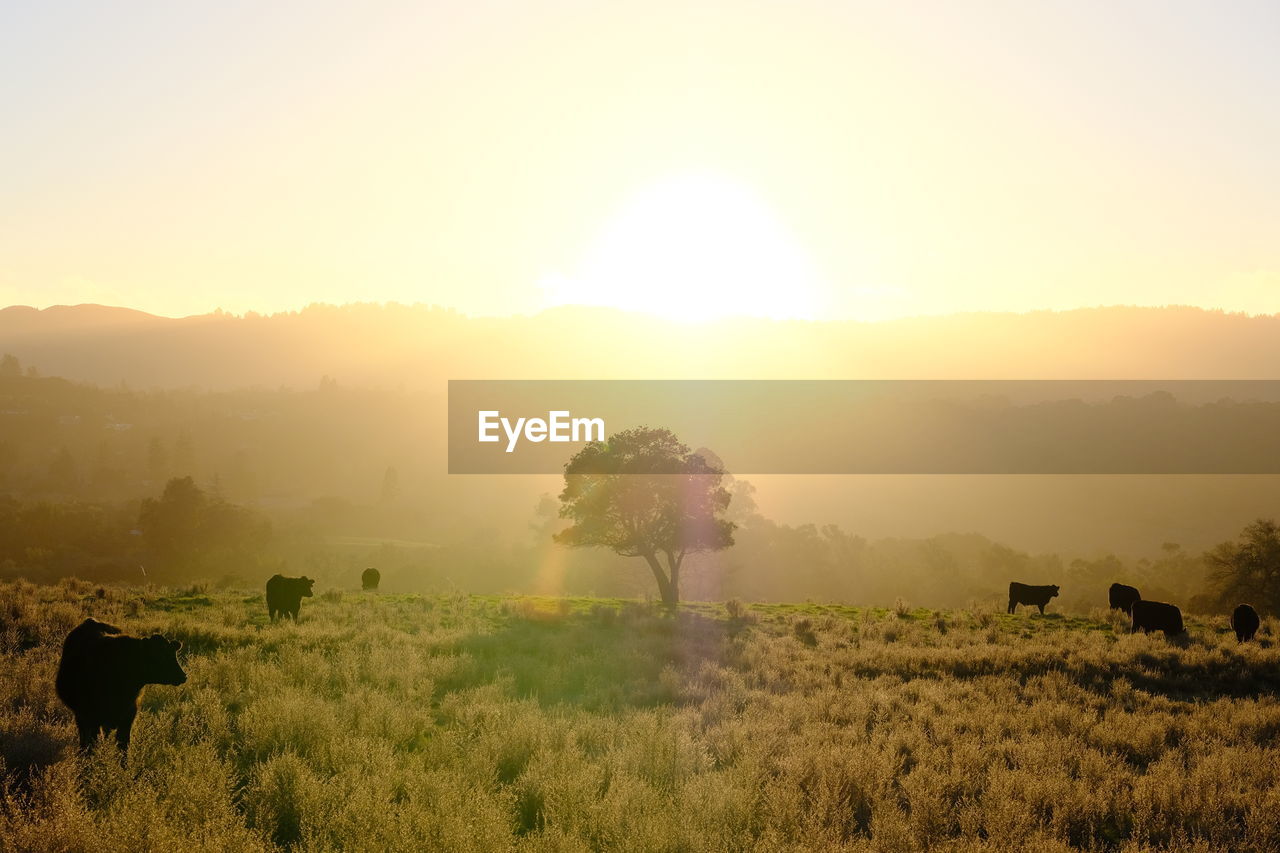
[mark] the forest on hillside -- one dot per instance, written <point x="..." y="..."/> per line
<point x="316" y="441"/>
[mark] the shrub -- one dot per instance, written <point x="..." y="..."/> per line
<point x="802" y="627"/>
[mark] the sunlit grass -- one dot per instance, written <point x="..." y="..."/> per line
<point x="401" y="722"/>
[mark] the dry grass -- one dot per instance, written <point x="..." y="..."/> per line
<point x="410" y="723"/>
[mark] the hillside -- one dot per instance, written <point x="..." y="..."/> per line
<point x="421" y="346"/>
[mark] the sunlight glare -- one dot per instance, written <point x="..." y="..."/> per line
<point x="693" y="247"/>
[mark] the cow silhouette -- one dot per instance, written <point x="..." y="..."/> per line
<point x="369" y="578"/>
<point x="284" y="595"/>
<point x="1156" y="616"/>
<point x="102" y="673"/>
<point x="1245" y="622"/>
<point x="1121" y="597"/>
<point x="1037" y="596"/>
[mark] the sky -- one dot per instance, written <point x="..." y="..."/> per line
<point x="809" y="159"/>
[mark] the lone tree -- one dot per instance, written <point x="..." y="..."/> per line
<point x="643" y="494"/>
<point x="1248" y="570"/>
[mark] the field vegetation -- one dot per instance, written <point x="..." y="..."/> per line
<point x="488" y="723"/>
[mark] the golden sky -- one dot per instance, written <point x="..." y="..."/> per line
<point x="812" y="159"/>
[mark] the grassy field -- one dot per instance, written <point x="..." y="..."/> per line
<point x="383" y="722"/>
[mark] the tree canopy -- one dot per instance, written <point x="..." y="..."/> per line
<point x="188" y="528"/>
<point x="1248" y="570"/>
<point x="642" y="493"/>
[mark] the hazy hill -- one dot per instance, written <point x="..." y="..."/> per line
<point x="280" y="448"/>
<point x="418" y="346"/>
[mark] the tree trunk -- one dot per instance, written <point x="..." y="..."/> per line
<point x="673" y="563"/>
<point x="669" y="591"/>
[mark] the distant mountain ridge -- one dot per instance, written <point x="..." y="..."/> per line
<point x="420" y="346"/>
<point x="23" y="319"/>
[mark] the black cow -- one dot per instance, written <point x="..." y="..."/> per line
<point x="369" y="578"/>
<point x="1021" y="593"/>
<point x="1245" y="622"/>
<point x="102" y="673"/>
<point x="1122" y="597"/>
<point x="284" y="595"/>
<point x="1156" y="616"/>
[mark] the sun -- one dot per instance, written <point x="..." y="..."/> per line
<point x="693" y="247"/>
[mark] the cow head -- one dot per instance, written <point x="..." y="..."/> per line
<point x="304" y="586"/>
<point x="161" y="661"/>
<point x="1054" y="594"/>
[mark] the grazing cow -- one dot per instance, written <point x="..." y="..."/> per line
<point x="102" y="673"/>
<point x="369" y="579"/>
<point x="284" y="595"/>
<point x="1122" y="597"/>
<point x="1021" y="593"/>
<point x="1156" y="616"/>
<point x="1245" y="622"/>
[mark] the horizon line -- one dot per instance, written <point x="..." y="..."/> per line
<point x="251" y="314"/>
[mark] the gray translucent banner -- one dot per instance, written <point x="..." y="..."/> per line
<point x="881" y="426"/>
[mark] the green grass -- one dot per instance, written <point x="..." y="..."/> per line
<point x="402" y="722"/>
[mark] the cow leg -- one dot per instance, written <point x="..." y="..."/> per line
<point x="124" y="731"/>
<point x="88" y="732"/>
<point x="1041" y="606"/>
<point x="1013" y="605"/>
